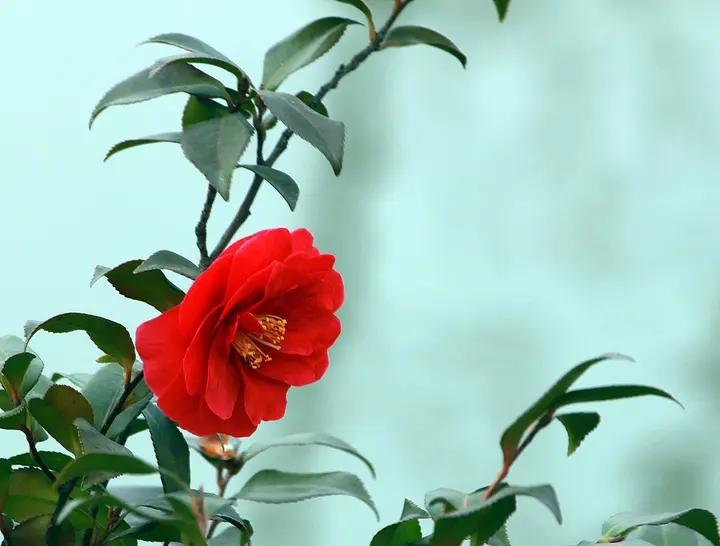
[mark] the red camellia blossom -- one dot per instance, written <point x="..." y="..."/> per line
<point x="259" y="320"/>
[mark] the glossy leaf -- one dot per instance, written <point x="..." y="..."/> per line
<point x="405" y="531"/>
<point x="12" y="417"/>
<point x="54" y="460"/>
<point x="151" y="287"/>
<point x="110" y="337"/>
<point x="188" y="43"/>
<point x="282" y="182"/>
<point x="231" y="536"/>
<point x="614" y="392"/>
<point x="175" y="78"/>
<point x="215" y="144"/>
<point x="29" y="494"/>
<point x="514" y="433"/>
<point x="578" y="426"/>
<point x="198" y="58"/>
<point x="80" y="380"/>
<point x="701" y="521"/>
<point x="666" y="535"/>
<point x="502" y="8"/>
<point x="103" y="390"/>
<point x="327" y="135"/>
<point x="22" y="372"/>
<point x="169" y="261"/>
<point x="302" y="48"/>
<point x="171" y="449"/>
<point x="307" y="439"/>
<point x="5" y="471"/>
<point x="152" y="139"/>
<point x="363" y="7"/>
<point x="501" y="538"/>
<point x="104" y="462"/>
<point x="309" y="99"/>
<point x="125" y="420"/>
<point x="275" y="487"/>
<point x="57" y="412"/>
<point x="413" y="35"/>
<point x="412" y="511"/>
<point x="32" y="532"/>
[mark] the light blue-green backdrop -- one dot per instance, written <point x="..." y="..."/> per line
<point x="557" y="200"/>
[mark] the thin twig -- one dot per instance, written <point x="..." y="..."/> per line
<point x="35" y="454"/>
<point x="119" y="406"/>
<point x="201" y="228"/>
<point x="223" y="479"/>
<point x="63" y="498"/>
<point x="243" y="212"/>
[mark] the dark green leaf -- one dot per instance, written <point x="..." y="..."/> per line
<point x="414" y="35"/>
<point x="80" y="380"/>
<point x="104" y="390"/>
<point x="170" y="261"/>
<point x="188" y="43"/>
<point x="213" y="140"/>
<point x="701" y="521"/>
<point x="412" y="511"/>
<point x="326" y="135"/>
<point x="302" y="48"/>
<point x="33" y="531"/>
<point x="12" y="417"/>
<point x="53" y="460"/>
<point x="309" y="99"/>
<point x="127" y="417"/>
<point x="152" y="139"/>
<point x="57" y="412"/>
<point x="501" y="538"/>
<point x="5" y="471"/>
<point x="30" y="494"/>
<point x="175" y="78"/>
<point x="104" y="462"/>
<point x="307" y="439"/>
<point x="502" y="8"/>
<point x="171" y="449"/>
<point x="275" y="487"/>
<point x="229" y="537"/>
<point x="282" y="182"/>
<point x="22" y="372"/>
<point x="514" y="433"/>
<point x="578" y="426"/>
<point x="198" y="58"/>
<point x="110" y="337"/>
<point x="151" y="287"/>
<point x="401" y="533"/>
<point x="363" y="7"/>
<point x="615" y="392"/>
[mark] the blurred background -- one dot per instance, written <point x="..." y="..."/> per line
<point x="494" y="226"/>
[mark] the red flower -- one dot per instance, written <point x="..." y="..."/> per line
<point x="259" y="320"/>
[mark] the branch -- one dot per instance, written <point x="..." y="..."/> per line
<point x="243" y="212"/>
<point x="36" y="455"/>
<point x="201" y="228"/>
<point x="117" y="409"/>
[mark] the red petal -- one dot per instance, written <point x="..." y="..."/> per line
<point x="207" y="292"/>
<point x="223" y="381"/>
<point x="265" y="399"/>
<point x="161" y="347"/>
<point x="302" y="239"/>
<point x="195" y="363"/>
<point x="296" y="370"/>
<point x="308" y="330"/>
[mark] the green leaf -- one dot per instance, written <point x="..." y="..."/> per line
<point x="275" y="487"/>
<point x="412" y="511"/>
<point x="198" y="58"/>
<point x="229" y="537"/>
<point x="170" y="261"/>
<point x="311" y="102"/>
<point x="13" y="417"/>
<point x="57" y="412"/>
<point x="126" y="418"/>
<point x="701" y="521"/>
<point x="406" y="531"/>
<point x="191" y="44"/>
<point x="578" y="426"/>
<point x="22" y="371"/>
<point x="171" y="449"/>
<point x="307" y="439"/>
<point x="30" y="494"/>
<point x="302" y="48"/>
<point x="104" y="462"/>
<point x="80" y="380"/>
<point x="502" y="8"/>
<point x="666" y="535"/>
<point x="104" y="390"/>
<point x="32" y="532"/>
<point x="475" y="515"/>
<point x="152" y="139"/>
<point x="327" y="135"/>
<point x="282" y="182"/>
<point x="175" y="78"/>
<point x="614" y="392"/>
<point x="5" y="471"/>
<point x="151" y="287"/>
<point x="213" y="140"/>
<point x="501" y="538"/>
<point x="514" y="433"/>
<point x="414" y="35"/>
<point x="52" y="459"/>
<point x="110" y="337"/>
<point x="363" y="7"/>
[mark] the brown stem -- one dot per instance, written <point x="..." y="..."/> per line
<point x="35" y="454"/>
<point x="120" y="405"/>
<point x="243" y="212"/>
<point x="223" y="479"/>
<point x="201" y="228"/>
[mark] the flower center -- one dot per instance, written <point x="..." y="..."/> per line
<point x="250" y="345"/>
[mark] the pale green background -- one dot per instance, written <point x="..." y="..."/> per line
<point x="557" y="200"/>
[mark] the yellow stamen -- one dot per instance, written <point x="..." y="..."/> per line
<point x="248" y="344"/>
